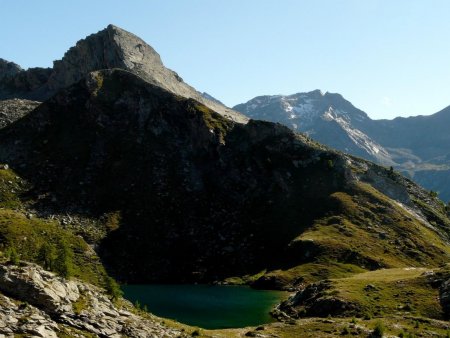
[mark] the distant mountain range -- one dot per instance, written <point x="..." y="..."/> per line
<point x="417" y="146"/>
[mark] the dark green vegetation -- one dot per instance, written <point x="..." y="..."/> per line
<point x="211" y="307"/>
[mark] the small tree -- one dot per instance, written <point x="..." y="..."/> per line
<point x="47" y="256"/>
<point x="378" y="331"/>
<point x="12" y="255"/>
<point x="64" y="260"/>
<point x="113" y="289"/>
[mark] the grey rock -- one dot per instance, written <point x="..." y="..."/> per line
<point x="326" y="117"/>
<point x="50" y="308"/>
<point x="316" y="302"/>
<point x="42" y="288"/>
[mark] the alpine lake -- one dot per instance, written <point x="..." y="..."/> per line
<point x="207" y="306"/>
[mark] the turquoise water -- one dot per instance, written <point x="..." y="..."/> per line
<point x="207" y="306"/>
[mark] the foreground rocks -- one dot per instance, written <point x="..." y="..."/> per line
<point x="38" y="303"/>
<point x="315" y="301"/>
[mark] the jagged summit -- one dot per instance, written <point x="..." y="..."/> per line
<point x="112" y="47"/>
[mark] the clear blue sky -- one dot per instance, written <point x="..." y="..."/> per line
<point x="388" y="57"/>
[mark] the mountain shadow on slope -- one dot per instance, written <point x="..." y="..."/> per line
<point x="199" y="197"/>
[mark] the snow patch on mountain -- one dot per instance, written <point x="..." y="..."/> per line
<point x="357" y="136"/>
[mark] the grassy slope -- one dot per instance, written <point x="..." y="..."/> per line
<point x="378" y="230"/>
<point x="340" y="327"/>
<point x="401" y="291"/>
<point x="366" y="231"/>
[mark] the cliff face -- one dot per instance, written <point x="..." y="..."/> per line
<point x="110" y="48"/>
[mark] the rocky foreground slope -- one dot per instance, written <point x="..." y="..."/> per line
<point x="38" y="303"/>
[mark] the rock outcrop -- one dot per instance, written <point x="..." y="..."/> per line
<point x="110" y="48"/>
<point x="315" y="301"/>
<point x="38" y="303"/>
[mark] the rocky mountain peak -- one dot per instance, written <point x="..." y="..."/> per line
<point x="300" y="109"/>
<point x="327" y="117"/>
<point x="112" y="47"/>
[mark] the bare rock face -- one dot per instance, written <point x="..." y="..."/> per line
<point x="110" y="48"/>
<point x="37" y="323"/>
<point x="40" y="304"/>
<point x="43" y="288"/>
